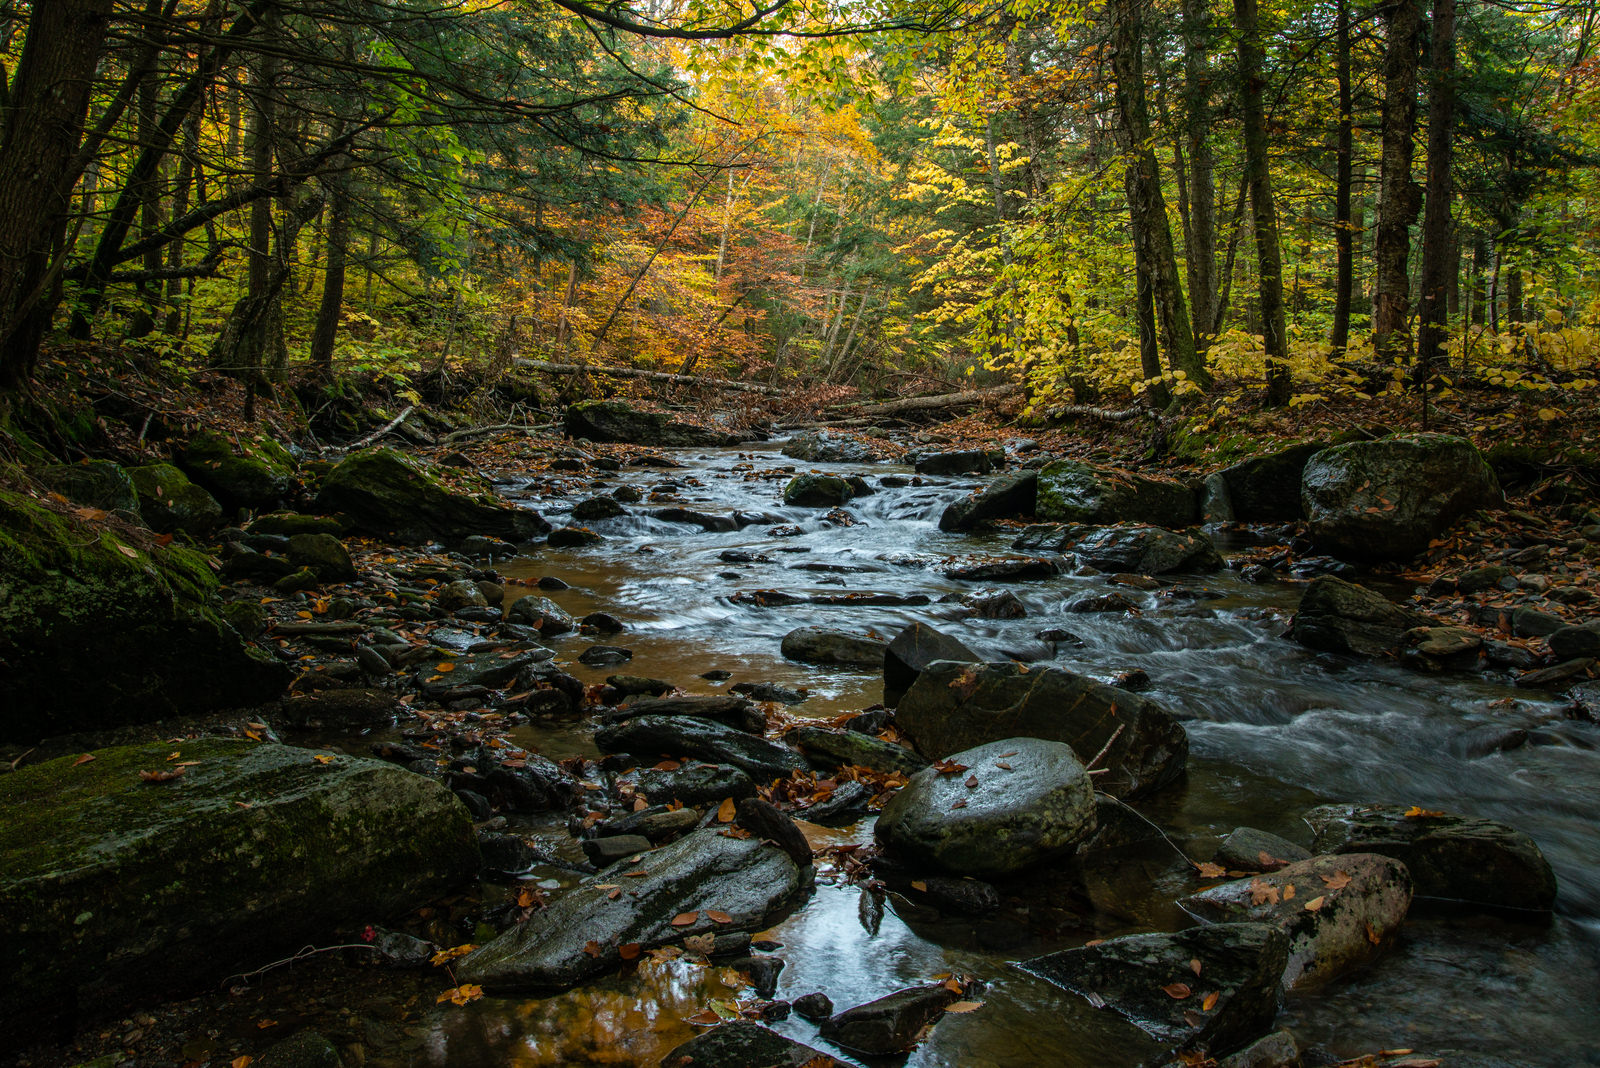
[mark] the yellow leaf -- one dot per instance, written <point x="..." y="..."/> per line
<point x="726" y="811"/>
<point x="323" y="758"/>
<point x="1314" y="904"/>
<point x="964" y="1006"/>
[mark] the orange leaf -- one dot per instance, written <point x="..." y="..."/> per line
<point x="726" y="811"/>
<point x="162" y="776"/>
<point x="963" y="1006"/>
<point x="1263" y="893"/>
<point x="86" y="758"/>
<point x="614" y="894"/>
<point x="972" y="781"/>
<point x="1314" y="904"/>
<point x="592" y="948"/>
<point x="918" y="884"/>
<point x="1210" y="1001"/>
<point x="629" y="950"/>
<point x="668" y="765"/>
<point x="718" y="917"/>
<point x="948" y="767"/>
<point x="322" y="758"/>
<point x="242" y="1061"/>
<point x="1416" y="812"/>
<point x="1177" y="991"/>
<point x="1194" y="965"/>
<point x="1209" y="870"/>
<point x="444" y="667"/>
<point x="685" y="919"/>
<point x="1288" y="892"/>
<point x="132" y="554"/>
<point x="262" y="1025"/>
<point x="1002" y="765"/>
<point x="1338" y="880"/>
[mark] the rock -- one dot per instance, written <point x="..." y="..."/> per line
<point x="765" y="820"/>
<point x="1530" y="622"/>
<point x="911" y="651"/>
<point x="716" y="524"/>
<point x="987" y="604"/>
<point x="1266" y="489"/>
<point x="1090" y="603"/>
<point x="830" y="749"/>
<point x="817" y="491"/>
<point x="1051" y="537"/>
<point x="1440" y="648"/>
<point x="891" y="1024"/>
<point x="144" y="614"/>
<point x="1573" y="643"/>
<point x="1148" y="551"/>
<point x="1021" y="801"/>
<point x="691" y="783"/>
<point x="1360" y="901"/>
<point x="953" y="706"/>
<point x="1480" y="579"/>
<point x="255" y="474"/>
<point x="506" y="853"/>
<point x="968" y="896"/>
<point x="823" y="645"/>
<point x="1386" y="499"/>
<point x="288" y="524"/>
<point x="828" y="447"/>
<point x="1149" y="980"/>
<point x="619" y="421"/>
<point x="638" y="685"/>
<point x="1341" y="617"/>
<point x="1557" y="676"/>
<point x="340" y="710"/>
<point x="462" y="593"/>
<point x="744" y="1044"/>
<point x="1079" y="493"/>
<point x="491" y="669"/>
<point x="999" y="568"/>
<point x="94" y="484"/>
<point x="115" y="887"/>
<point x="304" y="1049"/>
<point x="700" y="738"/>
<point x="1010" y="496"/>
<point x="386" y="495"/>
<point x="769" y="691"/>
<point x="761" y="971"/>
<point x="1277" y="1050"/>
<point x="814" y="1006"/>
<point x="954" y="462"/>
<point x="605" y="655"/>
<point x="734" y="711"/>
<point x="325" y="555"/>
<point x="597" y="508"/>
<point x="612" y="848"/>
<point x="656" y="823"/>
<point x="541" y="613"/>
<point x="579" y="934"/>
<point x="1247" y="849"/>
<point x="1456" y="857"/>
<point x="171" y="504"/>
<point x="571" y="538"/>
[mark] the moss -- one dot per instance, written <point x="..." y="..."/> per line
<point x="1213" y="446"/>
<point x="251" y="476"/>
<point x="169" y="502"/>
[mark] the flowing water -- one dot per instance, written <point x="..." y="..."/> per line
<point x="1274" y="729"/>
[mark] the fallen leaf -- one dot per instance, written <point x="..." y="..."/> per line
<point x="972" y="782"/>
<point x="445" y="956"/>
<point x="86" y="758"/>
<point x="963" y="1006"/>
<point x="1269" y="862"/>
<point x="629" y="950"/>
<point x="1314" y="904"/>
<point x="704" y="1017"/>
<point x="323" y="758"/>
<point x="592" y="948"/>
<point x="162" y="776"/>
<point x="460" y="995"/>
<point x="959" y="804"/>
<point x="1210" y="1001"/>
<point x="953" y="985"/>
<point x="443" y="668"/>
<point x="668" y="765"/>
<point x="639" y="803"/>
<point x="1002" y="765"/>
<point x="1372" y="934"/>
<point x="132" y="554"/>
<point x="1337" y="881"/>
<point x="949" y="767"/>
<point x="918" y="884"/>
<point x="242" y="1061"/>
<point x="1208" y="870"/>
<point x="1416" y="812"/>
<point x="718" y="917"/>
<point x="701" y="944"/>
<point x="1177" y="991"/>
<point x="1288" y="892"/>
<point x="637" y="873"/>
<point x="727" y="810"/>
<point x="1194" y="965"/>
<point x="614" y="895"/>
<point x="1263" y="893"/>
<point x="262" y="1025"/>
<point x="685" y="919"/>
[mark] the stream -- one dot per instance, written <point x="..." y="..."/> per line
<point x="1274" y="729"/>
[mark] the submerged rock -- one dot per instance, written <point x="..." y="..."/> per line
<point x="1080" y="493"/>
<point x="619" y="421"/>
<point x="891" y="1024"/>
<point x="743" y="1044"/>
<point x="386" y="495"/>
<point x="1337" y="910"/>
<point x="117" y="884"/>
<point x="1008" y="805"/>
<point x="1456" y="857"/>
<point x="1385" y="500"/>
<point x="824" y="645"/>
<point x="956" y="706"/>
<point x="744" y="880"/>
<point x="1151" y="980"/>
<point x="1341" y="617"/>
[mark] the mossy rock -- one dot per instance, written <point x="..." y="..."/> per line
<point x="288" y="524"/>
<point x="172" y="504"/>
<point x="96" y="483"/>
<point x="386" y="495"/>
<point x="258" y="474"/>
<point x="117" y="887"/>
<point x="1076" y="492"/>
<point x="77" y="601"/>
<point x="817" y="491"/>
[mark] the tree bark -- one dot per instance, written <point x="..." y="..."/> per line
<point x="1397" y="205"/>
<point x="1437" y="262"/>
<point x="48" y="102"/>
<point x="1264" y="212"/>
<point x="1146" y="201"/>
<point x="1201" y="255"/>
<point x="326" y="332"/>
<point x="1343" y="226"/>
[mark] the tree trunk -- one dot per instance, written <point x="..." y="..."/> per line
<point x="1264" y="212"/>
<point x="1397" y="205"/>
<point x="47" y="104"/>
<point x="1434" y="292"/>
<point x="1145" y="201"/>
<point x="1201" y="253"/>
<point x="331" y="307"/>
<point x="1343" y="224"/>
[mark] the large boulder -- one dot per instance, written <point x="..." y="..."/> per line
<point x="1262" y="489"/>
<point x="1148" y="551"/>
<point x="954" y="462"/>
<point x="93" y="483"/>
<point x="1338" y="911"/>
<point x="817" y="491"/>
<point x="619" y="421"/>
<point x="955" y="706"/>
<point x="253" y="474"/>
<point x="387" y="495"/>
<point x="1153" y="981"/>
<point x="78" y="597"/>
<point x="828" y="447"/>
<point x="1341" y="617"/>
<point x="892" y="1024"/>
<point x="117" y="884"/>
<point x="1010" y="496"/>
<point x="911" y="651"/>
<point x="1076" y="492"/>
<point x="1455" y="857"/>
<point x="681" y="890"/>
<point x="171" y="504"/>
<point x="824" y="645"/>
<point x="993" y="810"/>
<point x="1385" y="500"/>
<point x="703" y="739"/>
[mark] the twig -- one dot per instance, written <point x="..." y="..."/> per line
<point x="381" y="431"/>
<point x="1104" y="749"/>
<point x="307" y="952"/>
<point x="20" y="759"/>
<point x="1146" y="819"/>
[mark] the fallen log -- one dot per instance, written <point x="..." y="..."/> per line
<point x="653" y="376"/>
<point x="942" y="400"/>
<point x="1104" y="415"/>
<point x="381" y="431"/>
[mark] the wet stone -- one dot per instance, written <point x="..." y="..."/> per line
<point x="744" y="1044"/>
<point x="692" y="783"/>
<point x="1247" y="849"/>
<point x="891" y="1024"/>
<point x="813" y="1006"/>
<point x="605" y="851"/>
<point x="605" y="655"/>
<point x="823" y="645"/>
<point x="830" y="749"/>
